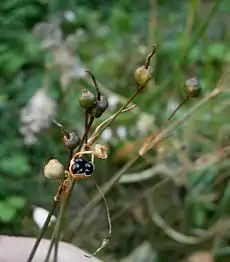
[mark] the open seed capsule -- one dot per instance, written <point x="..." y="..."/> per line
<point x="72" y="141"/>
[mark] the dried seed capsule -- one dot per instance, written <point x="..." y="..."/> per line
<point x="101" y="151"/>
<point x="192" y="87"/>
<point x="100" y="107"/>
<point x="143" y="75"/>
<point x="87" y="99"/>
<point x="89" y="168"/>
<point x="72" y="141"/>
<point x="53" y="169"/>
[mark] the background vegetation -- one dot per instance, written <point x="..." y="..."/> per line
<point x="45" y="46"/>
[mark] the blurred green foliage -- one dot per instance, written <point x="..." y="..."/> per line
<point x="111" y="38"/>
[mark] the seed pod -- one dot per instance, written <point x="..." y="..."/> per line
<point x="87" y="99"/>
<point x="72" y="141"/>
<point x="53" y="169"/>
<point x="192" y="87"/>
<point x="100" y="107"/>
<point x="143" y="75"/>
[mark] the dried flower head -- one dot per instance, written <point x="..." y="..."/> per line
<point x="101" y="151"/>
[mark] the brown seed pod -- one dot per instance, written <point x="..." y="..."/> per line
<point x="53" y="169"/>
<point x="100" y="107"/>
<point x="142" y="75"/>
<point x="71" y="141"/>
<point x="192" y="87"/>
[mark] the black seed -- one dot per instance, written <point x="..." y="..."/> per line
<point x="89" y="168"/>
<point x="80" y="160"/>
<point x="79" y="166"/>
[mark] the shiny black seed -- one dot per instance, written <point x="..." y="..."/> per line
<point x="89" y="168"/>
<point x="80" y="160"/>
<point x="79" y="166"/>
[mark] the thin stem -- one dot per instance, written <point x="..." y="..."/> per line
<point x="177" y="108"/>
<point x="41" y="234"/>
<point x="98" y="128"/>
<point x="86" y="124"/>
<point x="171" y="116"/>
<point x="57" y="235"/>
<point x="107" y="238"/>
<point x="148" y="59"/>
<point x="95" y="84"/>
<point x="63" y="130"/>
<point x="86" y="133"/>
<point x="50" y="246"/>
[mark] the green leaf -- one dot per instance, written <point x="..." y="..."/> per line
<point x="16" y="201"/>
<point x="7" y="212"/>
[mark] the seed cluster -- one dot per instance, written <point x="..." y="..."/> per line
<point x="82" y="167"/>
